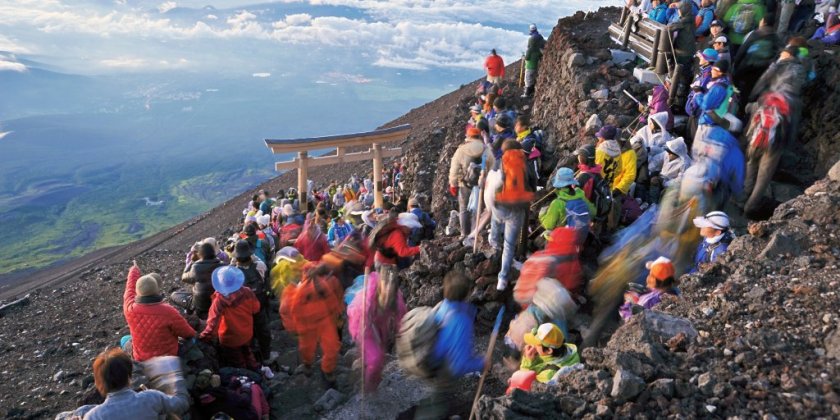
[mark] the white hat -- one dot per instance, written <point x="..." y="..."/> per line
<point x="263" y="220"/>
<point x="722" y="39"/>
<point x="533" y="27"/>
<point x="716" y="220"/>
<point x="212" y="241"/>
<point x="409" y="220"/>
<point x="288" y="210"/>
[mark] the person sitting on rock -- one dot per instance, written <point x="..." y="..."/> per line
<point x="570" y="208"/>
<point x="312" y="309"/>
<point x="676" y="162"/>
<point x="660" y="282"/>
<point x="608" y="153"/>
<point x="550" y="302"/>
<point x="199" y="276"/>
<point x="546" y="352"/>
<point x="714" y="228"/>
<point x="112" y="371"/>
<point x="231" y="318"/>
<point x="155" y="326"/>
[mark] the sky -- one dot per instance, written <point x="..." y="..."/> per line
<point x="231" y="36"/>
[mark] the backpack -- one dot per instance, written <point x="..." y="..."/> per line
<point x="578" y="218"/>
<point x="602" y="197"/>
<point x="259" y="251"/>
<point x="288" y="233"/>
<point x="416" y="342"/>
<point x="377" y="237"/>
<point x="743" y="19"/>
<point x="253" y="280"/>
<point x="473" y="174"/>
<point x="630" y="210"/>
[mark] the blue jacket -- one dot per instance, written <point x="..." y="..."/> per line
<point x="659" y="13"/>
<point x="708" y="15"/>
<point x="728" y="170"/>
<point x="336" y="233"/>
<point x="712" y="99"/>
<point x="702" y="80"/>
<point x="425" y="220"/>
<point x="707" y="252"/>
<point x="455" y="339"/>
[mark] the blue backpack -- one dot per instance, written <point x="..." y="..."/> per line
<point x="260" y="252"/>
<point x="578" y="218"/>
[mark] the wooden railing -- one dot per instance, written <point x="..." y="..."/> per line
<point x="648" y="39"/>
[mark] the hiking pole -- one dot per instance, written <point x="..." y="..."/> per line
<point x="521" y="71"/>
<point x="478" y="209"/>
<point x="362" y="335"/>
<point x="639" y="118"/>
<point x="487" y="359"/>
<point x="541" y="200"/>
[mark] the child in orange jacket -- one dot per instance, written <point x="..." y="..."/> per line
<point x="231" y="318"/>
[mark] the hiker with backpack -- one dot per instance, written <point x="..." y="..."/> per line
<point x="427" y="231"/>
<point x="546" y="301"/>
<point x="465" y="172"/>
<point x="231" y="319"/>
<point x="378" y="315"/>
<point x="312" y="310"/>
<point x="595" y="188"/>
<point x="570" y="208"/>
<point x="255" y="279"/>
<point x="716" y="234"/>
<point x="758" y="51"/>
<point x="742" y="18"/>
<point x="712" y="105"/>
<point x="512" y="205"/>
<point x="532" y="145"/>
<point x="774" y="125"/>
<point x="446" y="347"/>
<point x="504" y="131"/>
<point x="559" y="261"/>
<point x="199" y="276"/>
<point x="154" y="325"/>
<point x="495" y="67"/>
<point x="390" y="241"/>
<point x="257" y="242"/>
<point x="312" y="243"/>
<point x="533" y="55"/>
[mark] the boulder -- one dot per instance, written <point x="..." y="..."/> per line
<point x="330" y="400"/>
<point x="834" y="172"/>
<point x="576" y="60"/>
<point x="626" y="385"/>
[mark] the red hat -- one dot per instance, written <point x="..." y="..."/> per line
<point x="473" y="132"/>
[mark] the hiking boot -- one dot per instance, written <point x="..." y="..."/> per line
<point x="501" y="285"/>
<point x="305" y="370"/>
<point x="266" y="371"/>
<point x="330" y="379"/>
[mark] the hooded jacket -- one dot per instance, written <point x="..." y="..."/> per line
<point x="556" y="214"/>
<point x="232" y="317"/>
<point x="547" y="366"/>
<point x="625" y="178"/>
<point x="654" y="143"/>
<point x="534" y="53"/>
<point x="455" y="340"/>
<point x="397" y="242"/>
<point x="607" y="157"/>
<point x="784" y="76"/>
<point x="154" y="327"/>
<point x="672" y="170"/>
<point x="312" y="243"/>
<point x="658" y="102"/>
<point x="684" y="42"/>
<point x="472" y="149"/>
<point x="317" y="297"/>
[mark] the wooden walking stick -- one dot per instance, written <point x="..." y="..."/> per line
<point x="481" y="180"/>
<point x="522" y="71"/>
<point x="487" y="359"/>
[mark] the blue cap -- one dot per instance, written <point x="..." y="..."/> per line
<point x="709" y="54"/>
<point x="227" y="279"/>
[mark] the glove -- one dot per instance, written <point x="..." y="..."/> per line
<point x="453" y="191"/>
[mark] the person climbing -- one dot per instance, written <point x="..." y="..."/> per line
<point x="255" y="279"/>
<point x="112" y="370"/>
<point x="495" y="66"/>
<point x="714" y="228"/>
<point x="559" y="261"/>
<point x="374" y="317"/>
<point x="464" y="173"/>
<point x="546" y="352"/>
<point x="338" y="230"/>
<point x="232" y="318"/>
<point x="512" y="205"/>
<point x="428" y="225"/>
<point x="504" y="131"/>
<point x="676" y="163"/>
<point x="660" y="281"/>
<point x="533" y="55"/>
<point x="312" y="309"/>
<point x="453" y="346"/>
<point x="570" y="208"/>
<point x="391" y="241"/>
<point x="154" y="325"/>
<point x="312" y="243"/>
<point x="287" y="269"/>
<point x="759" y="49"/>
<point x="531" y="145"/>
<point x="773" y="126"/>
<point x="199" y="276"/>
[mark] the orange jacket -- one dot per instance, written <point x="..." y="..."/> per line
<point x="304" y="305"/>
<point x="233" y="317"/>
<point x="495" y="66"/>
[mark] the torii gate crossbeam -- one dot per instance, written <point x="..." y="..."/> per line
<point x="374" y="139"/>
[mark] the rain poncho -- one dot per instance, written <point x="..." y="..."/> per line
<point x="286" y="271"/>
<point x="673" y="169"/>
<point x="377" y="326"/>
<point x="654" y="143"/>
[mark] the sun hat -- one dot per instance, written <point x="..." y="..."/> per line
<point x="409" y="220"/>
<point x="242" y="249"/>
<point x="660" y="268"/>
<point x="546" y="335"/>
<point x="264" y="220"/>
<point x="564" y="177"/>
<point x="148" y="285"/>
<point x="716" y="219"/>
<point x="227" y="279"/>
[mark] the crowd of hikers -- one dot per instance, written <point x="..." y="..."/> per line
<point x="328" y="261"/>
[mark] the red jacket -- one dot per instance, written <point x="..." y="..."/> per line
<point x="312" y="248"/>
<point x="232" y="317"/>
<point x="495" y="66"/>
<point x="155" y="327"/>
<point x="559" y="261"/>
<point x="397" y="240"/>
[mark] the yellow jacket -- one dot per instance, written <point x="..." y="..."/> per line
<point x="626" y="176"/>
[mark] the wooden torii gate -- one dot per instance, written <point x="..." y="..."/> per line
<point x="373" y="139"/>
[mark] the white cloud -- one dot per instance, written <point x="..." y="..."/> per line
<point x="5" y="133"/>
<point x="12" y="46"/>
<point x="261" y="75"/>
<point x="10" y="65"/>
<point x="167" y="6"/>
<point x="137" y="63"/>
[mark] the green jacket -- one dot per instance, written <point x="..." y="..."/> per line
<point x="533" y="54"/>
<point x="547" y="366"/>
<point x="556" y="214"/>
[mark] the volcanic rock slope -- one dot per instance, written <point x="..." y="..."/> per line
<point x="764" y="339"/>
